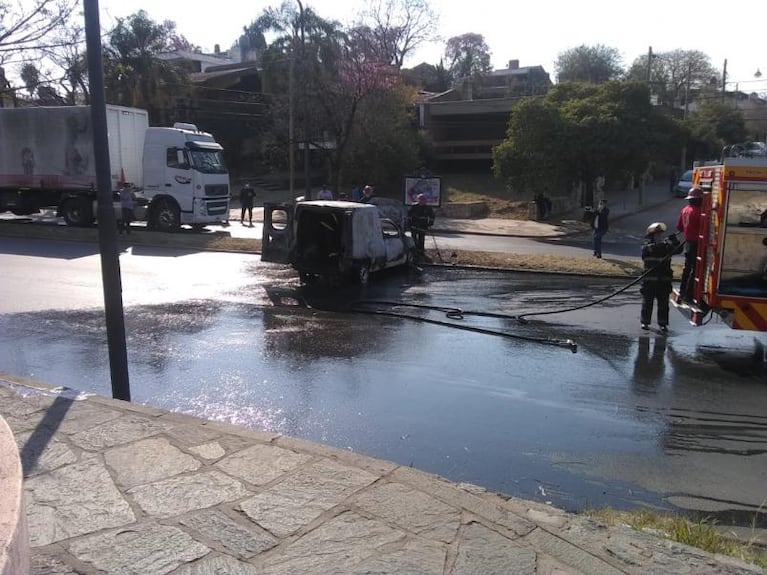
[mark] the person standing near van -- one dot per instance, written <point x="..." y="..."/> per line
<point x="367" y="194"/>
<point x="600" y="224"/>
<point x="325" y="193"/>
<point x="126" y="210"/>
<point x="247" y="195"/>
<point x="421" y="216"/>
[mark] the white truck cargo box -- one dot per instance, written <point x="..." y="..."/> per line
<point x="51" y="147"/>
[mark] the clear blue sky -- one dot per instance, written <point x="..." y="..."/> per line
<point x="532" y="32"/>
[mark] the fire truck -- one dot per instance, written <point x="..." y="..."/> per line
<point x="731" y="266"/>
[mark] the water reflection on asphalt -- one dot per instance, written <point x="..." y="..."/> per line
<point x="631" y="418"/>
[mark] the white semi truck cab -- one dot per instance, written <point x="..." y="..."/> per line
<point x="185" y="180"/>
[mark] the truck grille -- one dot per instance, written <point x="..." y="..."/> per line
<point x="216" y="190"/>
<point x="218" y="208"/>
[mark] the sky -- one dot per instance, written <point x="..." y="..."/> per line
<point x="534" y="32"/>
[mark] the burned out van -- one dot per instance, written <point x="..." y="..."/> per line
<point x="334" y="240"/>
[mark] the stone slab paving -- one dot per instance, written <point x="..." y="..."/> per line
<point x="118" y="488"/>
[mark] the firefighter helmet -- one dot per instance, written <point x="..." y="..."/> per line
<point x="656" y="228"/>
<point x="695" y="192"/>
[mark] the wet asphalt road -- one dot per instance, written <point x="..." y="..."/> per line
<point x="677" y="422"/>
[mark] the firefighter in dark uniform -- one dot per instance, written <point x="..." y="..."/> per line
<point x="421" y="218"/>
<point x="656" y="286"/>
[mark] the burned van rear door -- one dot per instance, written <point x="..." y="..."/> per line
<point x="277" y="238"/>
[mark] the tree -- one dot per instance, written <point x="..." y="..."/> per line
<point x="338" y="82"/>
<point x="593" y="64"/>
<point x="428" y="77"/>
<point x="62" y="68"/>
<point x="29" y="25"/>
<point x="30" y="75"/>
<point x="383" y="145"/>
<point x="608" y="130"/>
<point x="394" y="29"/>
<point x="133" y="73"/>
<point x="673" y="73"/>
<point x="715" y="125"/>
<point x="530" y="158"/>
<point x="468" y="57"/>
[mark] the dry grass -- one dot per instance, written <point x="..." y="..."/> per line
<point x="544" y="263"/>
<point x="701" y="534"/>
<point x="477" y="188"/>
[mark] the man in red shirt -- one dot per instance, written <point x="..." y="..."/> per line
<point x="689" y="223"/>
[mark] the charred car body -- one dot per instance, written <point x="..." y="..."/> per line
<point x="333" y="240"/>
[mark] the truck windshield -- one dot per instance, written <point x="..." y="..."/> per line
<point x="208" y="161"/>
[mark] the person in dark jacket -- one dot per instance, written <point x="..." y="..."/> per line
<point x="247" y="195"/>
<point x="367" y="194"/>
<point x="600" y="224"/>
<point x="421" y="217"/>
<point x="656" y="285"/>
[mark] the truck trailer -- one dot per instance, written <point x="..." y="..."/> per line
<point x="47" y="161"/>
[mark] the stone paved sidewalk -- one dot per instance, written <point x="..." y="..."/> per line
<point x="118" y="488"/>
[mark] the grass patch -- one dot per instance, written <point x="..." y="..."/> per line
<point x="466" y="188"/>
<point x="544" y="263"/>
<point x="702" y="534"/>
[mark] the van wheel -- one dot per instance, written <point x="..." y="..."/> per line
<point x="166" y="217"/>
<point x="77" y="212"/>
<point x="362" y="274"/>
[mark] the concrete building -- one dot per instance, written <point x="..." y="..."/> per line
<point x="468" y="120"/>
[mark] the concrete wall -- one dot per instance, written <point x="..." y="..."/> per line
<point x="14" y="537"/>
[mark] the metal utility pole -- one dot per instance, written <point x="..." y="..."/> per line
<point x="649" y="63"/>
<point x="307" y="181"/>
<point x="291" y="105"/>
<point x="110" y="261"/>
<point x="724" y="79"/>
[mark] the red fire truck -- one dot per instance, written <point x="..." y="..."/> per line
<point x="731" y="266"/>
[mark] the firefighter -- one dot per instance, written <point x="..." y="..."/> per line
<point x="421" y="216"/>
<point x="656" y="256"/>
<point x="689" y="223"/>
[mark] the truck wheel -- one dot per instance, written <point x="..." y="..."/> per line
<point x="166" y="217"/>
<point x="77" y="212"/>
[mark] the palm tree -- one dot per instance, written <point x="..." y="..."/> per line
<point x="134" y="73"/>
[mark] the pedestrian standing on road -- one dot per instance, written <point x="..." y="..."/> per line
<point x="600" y="224"/>
<point x="247" y="195"/>
<point x="324" y="193"/>
<point x="689" y="224"/>
<point x="656" y="285"/>
<point x="126" y="210"/>
<point x="421" y="218"/>
<point x="673" y="177"/>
